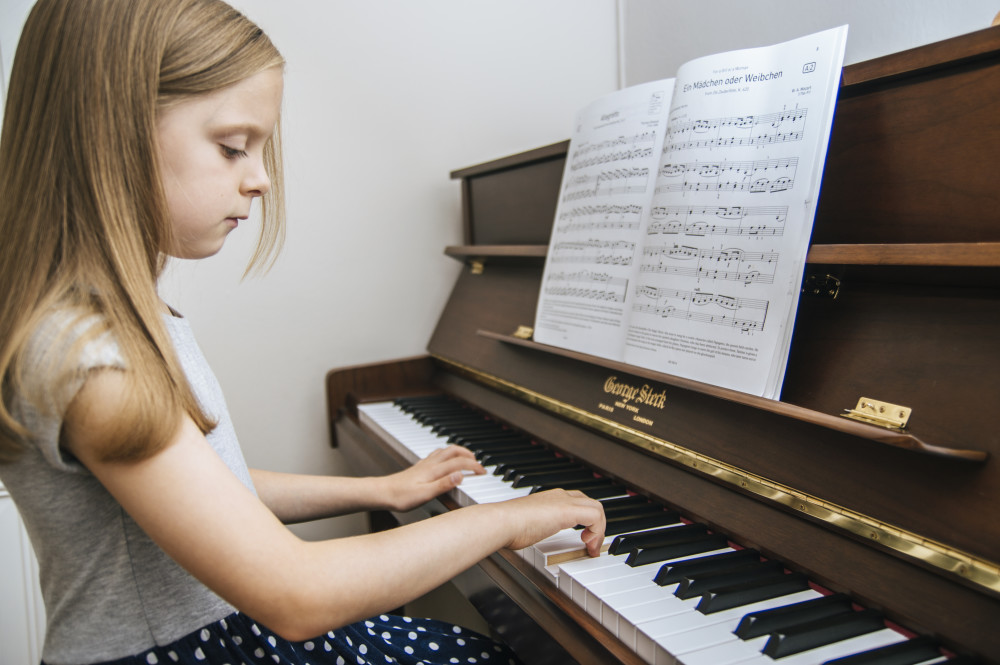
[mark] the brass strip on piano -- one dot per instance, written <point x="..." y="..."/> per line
<point x="980" y="572"/>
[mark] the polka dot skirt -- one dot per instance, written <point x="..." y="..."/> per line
<point x="237" y="640"/>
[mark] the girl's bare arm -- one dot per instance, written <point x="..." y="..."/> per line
<point x="193" y="507"/>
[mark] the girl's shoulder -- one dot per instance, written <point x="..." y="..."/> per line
<point x="65" y="344"/>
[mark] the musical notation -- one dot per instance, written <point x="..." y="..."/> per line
<point x="730" y="264"/>
<point x="616" y="143"/>
<point x="599" y="217"/>
<point x="739" y="131"/>
<point x="610" y="157"/>
<point x="757" y="176"/>
<point x="586" y="284"/>
<point x="599" y="252"/>
<point x="752" y="221"/>
<point x="744" y="314"/>
<point x="607" y="183"/>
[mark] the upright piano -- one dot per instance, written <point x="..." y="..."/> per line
<point x="873" y="484"/>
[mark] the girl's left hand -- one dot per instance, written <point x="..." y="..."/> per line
<point x="432" y="476"/>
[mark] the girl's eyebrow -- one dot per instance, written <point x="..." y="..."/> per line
<point x="248" y="129"/>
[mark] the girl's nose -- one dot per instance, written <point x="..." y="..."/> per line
<point x="256" y="182"/>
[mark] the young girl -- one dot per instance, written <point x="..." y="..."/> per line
<point x="137" y="130"/>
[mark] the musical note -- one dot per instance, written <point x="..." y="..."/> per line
<point x="766" y="175"/>
<point x="740" y="131"/>
<point x="747" y="315"/>
<point x="752" y="221"/>
<point x="731" y="263"/>
<point x="582" y="285"/>
<point x="599" y="217"/>
<point x="610" y="252"/>
<point x="607" y="183"/>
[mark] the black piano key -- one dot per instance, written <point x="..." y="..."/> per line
<point x="470" y="427"/>
<point x="672" y="573"/>
<point x="692" y="587"/>
<point x="600" y="491"/>
<point x="505" y="459"/>
<point x="612" y="506"/>
<point x="624" y="544"/>
<point x="641" y="523"/>
<point x="616" y="514"/>
<point x="447" y="415"/>
<point x="821" y="632"/>
<point x="756" y="624"/>
<point x="545" y="469"/>
<point x="483" y="448"/>
<point x="497" y="434"/>
<point x="508" y="470"/>
<point x="551" y="478"/>
<point x="595" y="488"/>
<point x="910" y="652"/>
<point x="738" y="595"/>
<point x="705" y="543"/>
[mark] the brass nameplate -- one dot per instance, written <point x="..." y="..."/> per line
<point x="883" y="414"/>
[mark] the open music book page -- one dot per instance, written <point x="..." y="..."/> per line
<point x="685" y="214"/>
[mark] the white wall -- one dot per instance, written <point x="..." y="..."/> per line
<point x="660" y="35"/>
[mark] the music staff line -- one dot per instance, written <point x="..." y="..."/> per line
<point x="607" y="183"/>
<point x="611" y="144"/>
<point x="589" y="285"/>
<point x="746" y="314"/>
<point x="690" y="220"/>
<point x="746" y="131"/>
<point x="755" y="176"/>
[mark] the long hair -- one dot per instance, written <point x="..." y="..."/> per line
<point x="83" y="218"/>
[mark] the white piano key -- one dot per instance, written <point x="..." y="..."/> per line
<point x="656" y="635"/>
<point x="661" y="628"/>
<point x="879" y="638"/>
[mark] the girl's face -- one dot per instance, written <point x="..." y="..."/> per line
<point x="211" y="160"/>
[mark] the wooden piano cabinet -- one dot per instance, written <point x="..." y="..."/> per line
<point x="907" y="237"/>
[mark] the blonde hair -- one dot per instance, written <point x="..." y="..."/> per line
<point x="82" y="212"/>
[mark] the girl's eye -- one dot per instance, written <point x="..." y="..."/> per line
<point x="232" y="153"/>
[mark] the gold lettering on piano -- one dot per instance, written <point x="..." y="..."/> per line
<point x="626" y="393"/>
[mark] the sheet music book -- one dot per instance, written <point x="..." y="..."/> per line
<point x="685" y="213"/>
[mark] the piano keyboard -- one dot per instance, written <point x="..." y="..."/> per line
<point x="671" y="590"/>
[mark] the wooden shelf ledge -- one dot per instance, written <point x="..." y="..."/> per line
<point x="956" y="254"/>
<point x="898" y="439"/>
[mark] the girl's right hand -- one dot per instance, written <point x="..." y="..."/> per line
<point x="537" y="516"/>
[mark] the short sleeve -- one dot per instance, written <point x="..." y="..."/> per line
<point x="54" y="367"/>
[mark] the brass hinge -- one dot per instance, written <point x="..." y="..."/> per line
<point x="524" y="332"/>
<point x="476" y="266"/>
<point x="883" y="414"/>
<point x="824" y="286"/>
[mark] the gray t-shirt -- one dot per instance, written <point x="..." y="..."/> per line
<point x="109" y="590"/>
